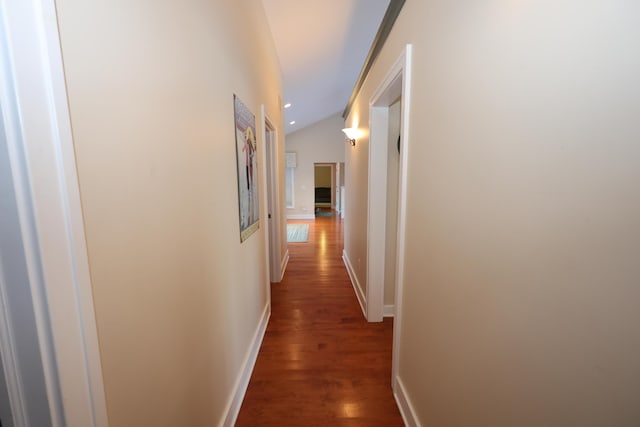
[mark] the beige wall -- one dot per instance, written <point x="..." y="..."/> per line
<point x="522" y="278"/>
<point x="322" y="176"/>
<point x="321" y="142"/>
<point x="177" y="297"/>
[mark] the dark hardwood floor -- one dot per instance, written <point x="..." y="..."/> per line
<point x="321" y="363"/>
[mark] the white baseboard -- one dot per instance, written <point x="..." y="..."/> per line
<point x="389" y="310"/>
<point x="404" y="404"/>
<point x="301" y="216"/>
<point x="354" y="282"/>
<point x="283" y="264"/>
<point x="240" y="389"/>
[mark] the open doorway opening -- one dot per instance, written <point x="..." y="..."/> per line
<point x="391" y="223"/>
<point x="272" y="192"/>
<point x="386" y="227"/>
<point x="325" y="184"/>
<point x="340" y="193"/>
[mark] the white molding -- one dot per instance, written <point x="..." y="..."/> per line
<point x="271" y="198"/>
<point x="283" y="264"/>
<point x="404" y="404"/>
<point x="397" y="81"/>
<point x="389" y="310"/>
<point x="376" y="210"/>
<point x="242" y="383"/>
<point x="266" y="224"/>
<point x="355" y="283"/>
<point x="402" y="206"/>
<point x="301" y="216"/>
<point x="388" y="91"/>
<point x="51" y="217"/>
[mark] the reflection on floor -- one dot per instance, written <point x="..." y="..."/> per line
<point x="321" y="363"/>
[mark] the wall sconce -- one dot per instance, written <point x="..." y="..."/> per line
<point x="352" y="134"/>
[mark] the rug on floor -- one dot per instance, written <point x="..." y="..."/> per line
<point x="297" y="233"/>
<point x="324" y="213"/>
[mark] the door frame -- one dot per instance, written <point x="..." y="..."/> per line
<point x="272" y="199"/>
<point x="397" y="83"/>
<point x="337" y="191"/>
<point x="332" y="167"/>
<point x="38" y="127"/>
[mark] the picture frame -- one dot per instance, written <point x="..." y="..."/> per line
<point x="247" y="165"/>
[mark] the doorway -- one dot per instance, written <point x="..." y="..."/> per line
<point x="324" y="188"/>
<point x="391" y="224"/>
<point x="271" y="188"/>
<point x="340" y="189"/>
<point x="392" y="98"/>
<point x="48" y="338"/>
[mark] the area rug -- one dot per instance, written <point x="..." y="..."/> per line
<point x="323" y="213"/>
<point x="297" y="233"/>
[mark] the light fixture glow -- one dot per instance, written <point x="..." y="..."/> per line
<point x="292" y="122"/>
<point x="287" y="105"/>
<point x="352" y="134"/>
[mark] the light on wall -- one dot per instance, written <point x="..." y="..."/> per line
<point x="352" y="134"/>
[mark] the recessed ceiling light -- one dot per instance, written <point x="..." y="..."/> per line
<point x="292" y="122"/>
<point x="287" y="105"/>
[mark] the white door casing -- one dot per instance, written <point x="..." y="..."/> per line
<point x="397" y="83"/>
<point x="272" y="199"/>
<point x="44" y="171"/>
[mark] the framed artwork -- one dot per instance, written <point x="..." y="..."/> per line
<point x="247" y="159"/>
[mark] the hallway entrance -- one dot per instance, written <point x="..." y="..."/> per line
<point x="321" y="362"/>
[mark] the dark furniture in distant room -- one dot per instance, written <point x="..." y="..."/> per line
<point x="323" y="195"/>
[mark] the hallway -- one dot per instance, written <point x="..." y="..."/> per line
<point x="321" y="363"/>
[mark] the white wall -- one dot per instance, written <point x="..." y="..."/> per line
<point x="523" y="216"/>
<point x="178" y="298"/>
<point x="321" y="142"/>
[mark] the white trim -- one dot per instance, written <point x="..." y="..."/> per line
<point x="389" y="310"/>
<point x="385" y="94"/>
<point x="404" y="404"/>
<point x="232" y="409"/>
<point x="283" y="264"/>
<point x="377" y="210"/>
<point x="301" y="216"/>
<point x="13" y="126"/>
<point x="51" y="217"/>
<point x="266" y="224"/>
<point x="271" y="198"/>
<point x="402" y="206"/>
<point x="354" y="282"/>
<point x="396" y="82"/>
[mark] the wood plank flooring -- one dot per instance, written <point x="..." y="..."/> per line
<point x="321" y="363"/>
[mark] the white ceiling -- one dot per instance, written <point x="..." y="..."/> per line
<point x="322" y="46"/>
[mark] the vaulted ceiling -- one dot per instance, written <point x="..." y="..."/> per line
<point x="322" y="46"/>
